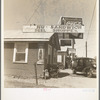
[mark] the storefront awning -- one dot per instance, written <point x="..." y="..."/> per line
<point x="14" y="35"/>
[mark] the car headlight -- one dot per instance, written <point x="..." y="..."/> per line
<point x="94" y="65"/>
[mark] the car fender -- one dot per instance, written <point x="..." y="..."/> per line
<point x="86" y="69"/>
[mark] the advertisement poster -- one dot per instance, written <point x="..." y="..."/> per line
<point x="49" y="50"/>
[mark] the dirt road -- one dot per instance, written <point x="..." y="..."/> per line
<point x="69" y="80"/>
<point x="65" y="80"/>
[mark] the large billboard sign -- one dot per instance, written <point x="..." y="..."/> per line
<point x="54" y="28"/>
<point x="73" y="24"/>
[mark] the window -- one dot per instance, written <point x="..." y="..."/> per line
<point x="60" y="35"/>
<point x="59" y="58"/>
<point x="80" y="62"/>
<point x="20" y="53"/>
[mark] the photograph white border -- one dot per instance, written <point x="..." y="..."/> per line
<point x="46" y="93"/>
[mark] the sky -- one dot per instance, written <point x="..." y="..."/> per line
<point x="47" y="12"/>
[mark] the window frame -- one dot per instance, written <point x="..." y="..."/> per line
<point x="59" y="58"/>
<point x="15" y="52"/>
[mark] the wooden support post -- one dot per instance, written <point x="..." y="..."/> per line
<point x="72" y="48"/>
<point x="86" y="48"/>
<point x="36" y="74"/>
<point x="45" y="76"/>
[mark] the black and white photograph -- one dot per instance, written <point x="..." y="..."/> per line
<point x="50" y="44"/>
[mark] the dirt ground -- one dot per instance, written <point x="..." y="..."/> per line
<point x="66" y="79"/>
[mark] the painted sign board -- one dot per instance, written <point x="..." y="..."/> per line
<point x="71" y="50"/>
<point x="54" y="28"/>
<point x="75" y="22"/>
<point x="65" y="42"/>
<point x="74" y="25"/>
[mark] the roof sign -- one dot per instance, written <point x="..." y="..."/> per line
<point x="68" y="28"/>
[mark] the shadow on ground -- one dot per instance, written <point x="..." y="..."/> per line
<point x="62" y="74"/>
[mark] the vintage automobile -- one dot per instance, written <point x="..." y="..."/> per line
<point x="85" y="65"/>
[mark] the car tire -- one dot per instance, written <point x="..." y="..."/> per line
<point x="89" y="74"/>
<point x="74" y="71"/>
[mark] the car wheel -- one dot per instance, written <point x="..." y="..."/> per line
<point x="74" y="71"/>
<point x="89" y="74"/>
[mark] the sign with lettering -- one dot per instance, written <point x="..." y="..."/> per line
<point x="65" y="42"/>
<point x="68" y="28"/>
<point x="75" y="22"/>
<point x="71" y="50"/>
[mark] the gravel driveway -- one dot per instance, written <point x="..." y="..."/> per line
<point x="65" y="80"/>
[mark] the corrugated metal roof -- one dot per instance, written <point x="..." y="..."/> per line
<point x="18" y="34"/>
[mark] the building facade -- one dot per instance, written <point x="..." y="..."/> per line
<point x="23" y="50"/>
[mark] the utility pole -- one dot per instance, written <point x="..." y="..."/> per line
<point x="42" y="10"/>
<point x="86" y="48"/>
